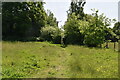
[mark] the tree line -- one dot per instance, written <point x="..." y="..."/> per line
<point x="24" y="20"/>
<point x="28" y="21"/>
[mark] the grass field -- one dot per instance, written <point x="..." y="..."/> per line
<point x="45" y="60"/>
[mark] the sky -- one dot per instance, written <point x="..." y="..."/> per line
<point x="59" y="8"/>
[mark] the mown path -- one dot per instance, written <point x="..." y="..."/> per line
<point x="57" y="68"/>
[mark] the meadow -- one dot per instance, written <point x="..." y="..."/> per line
<point x="46" y="60"/>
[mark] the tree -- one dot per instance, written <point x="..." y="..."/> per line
<point x="71" y="27"/>
<point x="77" y="8"/>
<point x="24" y="19"/>
<point x="93" y="29"/>
<point x="51" y="20"/>
<point x="72" y="32"/>
<point x="116" y="28"/>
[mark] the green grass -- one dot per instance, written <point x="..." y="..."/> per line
<point x="45" y="60"/>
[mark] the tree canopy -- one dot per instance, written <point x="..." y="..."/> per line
<point x="22" y="20"/>
<point x="26" y="21"/>
<point x="88" y="29"/>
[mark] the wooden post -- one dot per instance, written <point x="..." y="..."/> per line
<point x="114" y="46"/>
<point x="106" y="44"/>
<point x="62" y="40"/>
<point x="118" y="45"/>
<point x="100" y="45"/>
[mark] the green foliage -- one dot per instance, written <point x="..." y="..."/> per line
<point x="116" y="28"/>
<point x="83" y="28"/>
<point x="91" y="30"/>
<point x="51" y="20"/>
<point x="72" y="33"/>
<point x="28" y="21"/>
<point x="24" y="19"/>
<point x="110" y="35"/>
<point x="77" y="8"/>
<point x="50" y="33"/>
<point x="94" y="35"/>
<point x="94" y="39"/>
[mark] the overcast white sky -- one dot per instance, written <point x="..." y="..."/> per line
<point x="59" y="8"/>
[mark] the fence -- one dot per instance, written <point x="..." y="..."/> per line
<point x="112" y="45"/>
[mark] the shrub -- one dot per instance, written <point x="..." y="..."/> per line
<point x="51" y="34"/>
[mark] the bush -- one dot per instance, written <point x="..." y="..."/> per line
<point x="51" y="34"/>
<point x="94" y="39"/>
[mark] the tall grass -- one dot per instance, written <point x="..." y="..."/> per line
<point x="93" y="62"/>
<point x="46" y="60"/>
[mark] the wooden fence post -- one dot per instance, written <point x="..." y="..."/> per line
<point x="118" y="45"/>
<point x="114" y="46"/>
<point x="106" y="44"/>
<point x="62" y="40"/>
